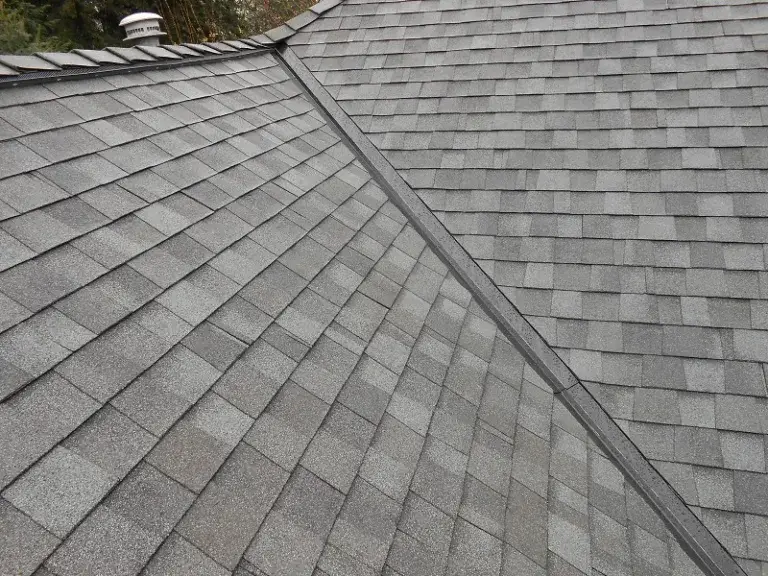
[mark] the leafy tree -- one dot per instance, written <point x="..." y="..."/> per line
<point x="40" y="25"/>
<point x="25" y="27"/>
<point x="267" y="14"/>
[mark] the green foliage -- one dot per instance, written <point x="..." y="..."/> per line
<point x="202" y="20"/>
<point x="266" y="14"/>
<point x="26" y="27"/>
<point x="49" y="25"/>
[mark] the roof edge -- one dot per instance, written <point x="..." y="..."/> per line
<point x="700" y="544"/>
<point x="23" y="69"/>
<point x="109" y="66"/>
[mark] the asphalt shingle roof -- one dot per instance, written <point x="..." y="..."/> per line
<point x="225" y="350"/>
<point x="605" y="163"/>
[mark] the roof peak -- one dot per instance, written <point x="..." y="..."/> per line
<point x="16" y="69"/>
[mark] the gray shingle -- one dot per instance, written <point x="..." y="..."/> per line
<point x="62" y="144"/>
<point x="292" y="537"/>
<point x="127" y="529"/>
<point x="107" y="364"/>
<point x="475" y="551"/>
<point x="162" y="394"/>
<point x="306" y="258"/>
<point x="29" y="191"/>
<point x="252" y="381"/>
<point x="285" y="428"/>
<point x="366" y="525"/>
<point x="110" y="441"/>
<point x="214" y="345"/>
<point x="325" y="369"/>
<point x="172" y="214"/>
<point x="273" y="289"/>
<point x="231" y="503"/>
<point x="439" y="476"/>
<point x="177" y="557"/>
<point x="698" y="446"/>
<point x="108" y="300"/>
<point x="242" y="261"/>
<point x="170" y="261"/>
<point x="308" y="316"/>
<point x="25" y="544"/>
<point x="198" y="295"/>
<point x="529" y="462"/>
<point x="60" y="490"/>
<point x="338" y="448"/>
<point x="183" y="171"/>
<point x="527" y="523"/>
<point x="198" y="444"/>
<point x="17" y="158"/>
<point x="219" y="230"/>
<point x="81" y="174"/>
<point x="38" y="418"/>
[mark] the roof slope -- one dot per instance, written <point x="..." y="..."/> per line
<point x="225" y="350"/>
<point x="606" y="163"/>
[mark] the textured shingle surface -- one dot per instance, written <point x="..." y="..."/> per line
<point x="228" y="350"/>
<point x="605" y="164"/>
<point x="223" y="350"/>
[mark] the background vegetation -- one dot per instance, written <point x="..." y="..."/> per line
<point x="59" y="25"/>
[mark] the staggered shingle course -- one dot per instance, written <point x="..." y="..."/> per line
<point x="604" y="163"/>
<point x="224" y="350"/>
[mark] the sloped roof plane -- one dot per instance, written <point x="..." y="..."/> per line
<point x="428" y="287"/>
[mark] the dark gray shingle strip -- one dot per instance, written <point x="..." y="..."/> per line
<point x="89" y="61"/>
<point x="324" y="6"/>
<point x="131" y="54"/>
<point x="25" y="63"/>
<point x="238" y="44"/>
<point x="101" y="56"/>
<point x="700" y="543"/>
<point x="67" y="60"/>
<point x="181" y="50"/>
<point x="160" y="53"/>
<point x="202" y="48"/>
<point x="221" y="47"/>
<point x="6" y="71"/>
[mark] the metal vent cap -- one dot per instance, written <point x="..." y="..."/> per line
<point x="142" y="28"/>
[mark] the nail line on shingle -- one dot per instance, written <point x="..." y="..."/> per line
<point x="691" y="533"/>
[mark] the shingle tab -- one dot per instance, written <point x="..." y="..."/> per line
<point x="350" y="408"/>
<point x="27" y="63"/>
<point x="101" y="56"/>
<point x="243" y="511"/>
<point x="67" y="60"/>
<point x="25" y="544"/>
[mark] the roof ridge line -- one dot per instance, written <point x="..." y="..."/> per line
<point x="26" y="69"/>
<point x="700" y="544"/>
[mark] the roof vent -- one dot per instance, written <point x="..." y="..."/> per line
<point x="142" y="28"/>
